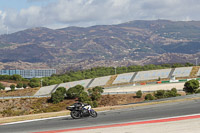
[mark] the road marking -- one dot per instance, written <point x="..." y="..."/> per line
<point x="18" y="122"/>
<point x="169" y="119"/>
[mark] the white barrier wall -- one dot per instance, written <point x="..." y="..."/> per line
<point x="46" y="90"/>
<point x="100" y="81"/>
<point x="8" y="88"/>
<point x="123" y="78"/>
<point x="182" y="72"/>
<point x="68" y="85"/>
<point x="153" y="74"/>
<point x="97" y="82"/>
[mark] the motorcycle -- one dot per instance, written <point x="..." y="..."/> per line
<point x="79" y="110"/>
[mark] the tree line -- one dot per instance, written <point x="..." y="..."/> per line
<point x="77" y="92"/>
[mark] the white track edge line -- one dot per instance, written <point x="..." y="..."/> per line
<point x="18" y="122"/>
<point x="100" y="124"/>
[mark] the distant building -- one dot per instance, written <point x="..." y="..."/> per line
<point x="34" y="73"/>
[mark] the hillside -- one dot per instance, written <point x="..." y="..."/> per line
<point x="135" y="42"/>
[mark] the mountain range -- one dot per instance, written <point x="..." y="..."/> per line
<point x="133" y="43"/>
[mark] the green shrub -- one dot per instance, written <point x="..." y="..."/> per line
<point x="34" y="84"/>
<point x="5" y="77"/>
<point x="84" y="97"/>
<point x="19" y="85"/>
<point x="139" y="94"/>
<point x="159" y="94"/>
<point x="95" y="104"/>
<point x="12" y="87"/>
<point x="2" y="87"/>
<point x="35" y="80"/>
<point x="24" y="86"/>
<point x="57" y="97"/>
<point x="170" y="94"/>
<point x="174" y="90"/>
<point x="62" y="90"/>
<point x="16" y="77"/>
<point x="197" y="91"/>
<point x="149" y="97"/>
<point x="74" y="92"/>
<point x="95" y="93"/>
<point x="54" y="81"/>
<point x="191" y="86"/>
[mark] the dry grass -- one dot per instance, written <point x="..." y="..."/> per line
<point x="112" y="100"/>
<point x="7" y="83"/>
<point x="194" y="71"/>
<point x="23" y="92"/>
<point x="33" y="116"/>
<point x="113" y="77"/>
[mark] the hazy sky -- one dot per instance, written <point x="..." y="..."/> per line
<point x="22" y="14"/>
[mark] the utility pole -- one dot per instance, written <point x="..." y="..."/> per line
<point x="115" y="70"/>
<point x="196" y="61"/>
<point x="41" y="82"/>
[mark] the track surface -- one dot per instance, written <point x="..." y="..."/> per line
<point x="111" y="117"/>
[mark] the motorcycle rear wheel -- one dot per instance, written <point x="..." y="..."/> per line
<point x="75" y="114"/>
<point x="93" y="113"/>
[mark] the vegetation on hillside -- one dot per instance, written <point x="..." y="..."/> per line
<point x="77" y="92"/>
<point x="58" y="95"/>
<point x="14" y="77"/>
<point x="12" y="87"/>
<point x="2" y="87"/>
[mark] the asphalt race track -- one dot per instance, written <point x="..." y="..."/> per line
<point x="109" y="117"/>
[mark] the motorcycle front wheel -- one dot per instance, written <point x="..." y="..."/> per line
<point x="75" y="114"/>
<point x="93" y="113"/>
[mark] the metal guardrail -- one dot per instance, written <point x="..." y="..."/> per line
<point x="134" y="85"/>
<point x="129" y="92"/>
<point x="15" y="97"/>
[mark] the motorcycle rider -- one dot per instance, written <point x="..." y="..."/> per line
<point x="84" y="106"/>
<point x="87" y="106"/>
